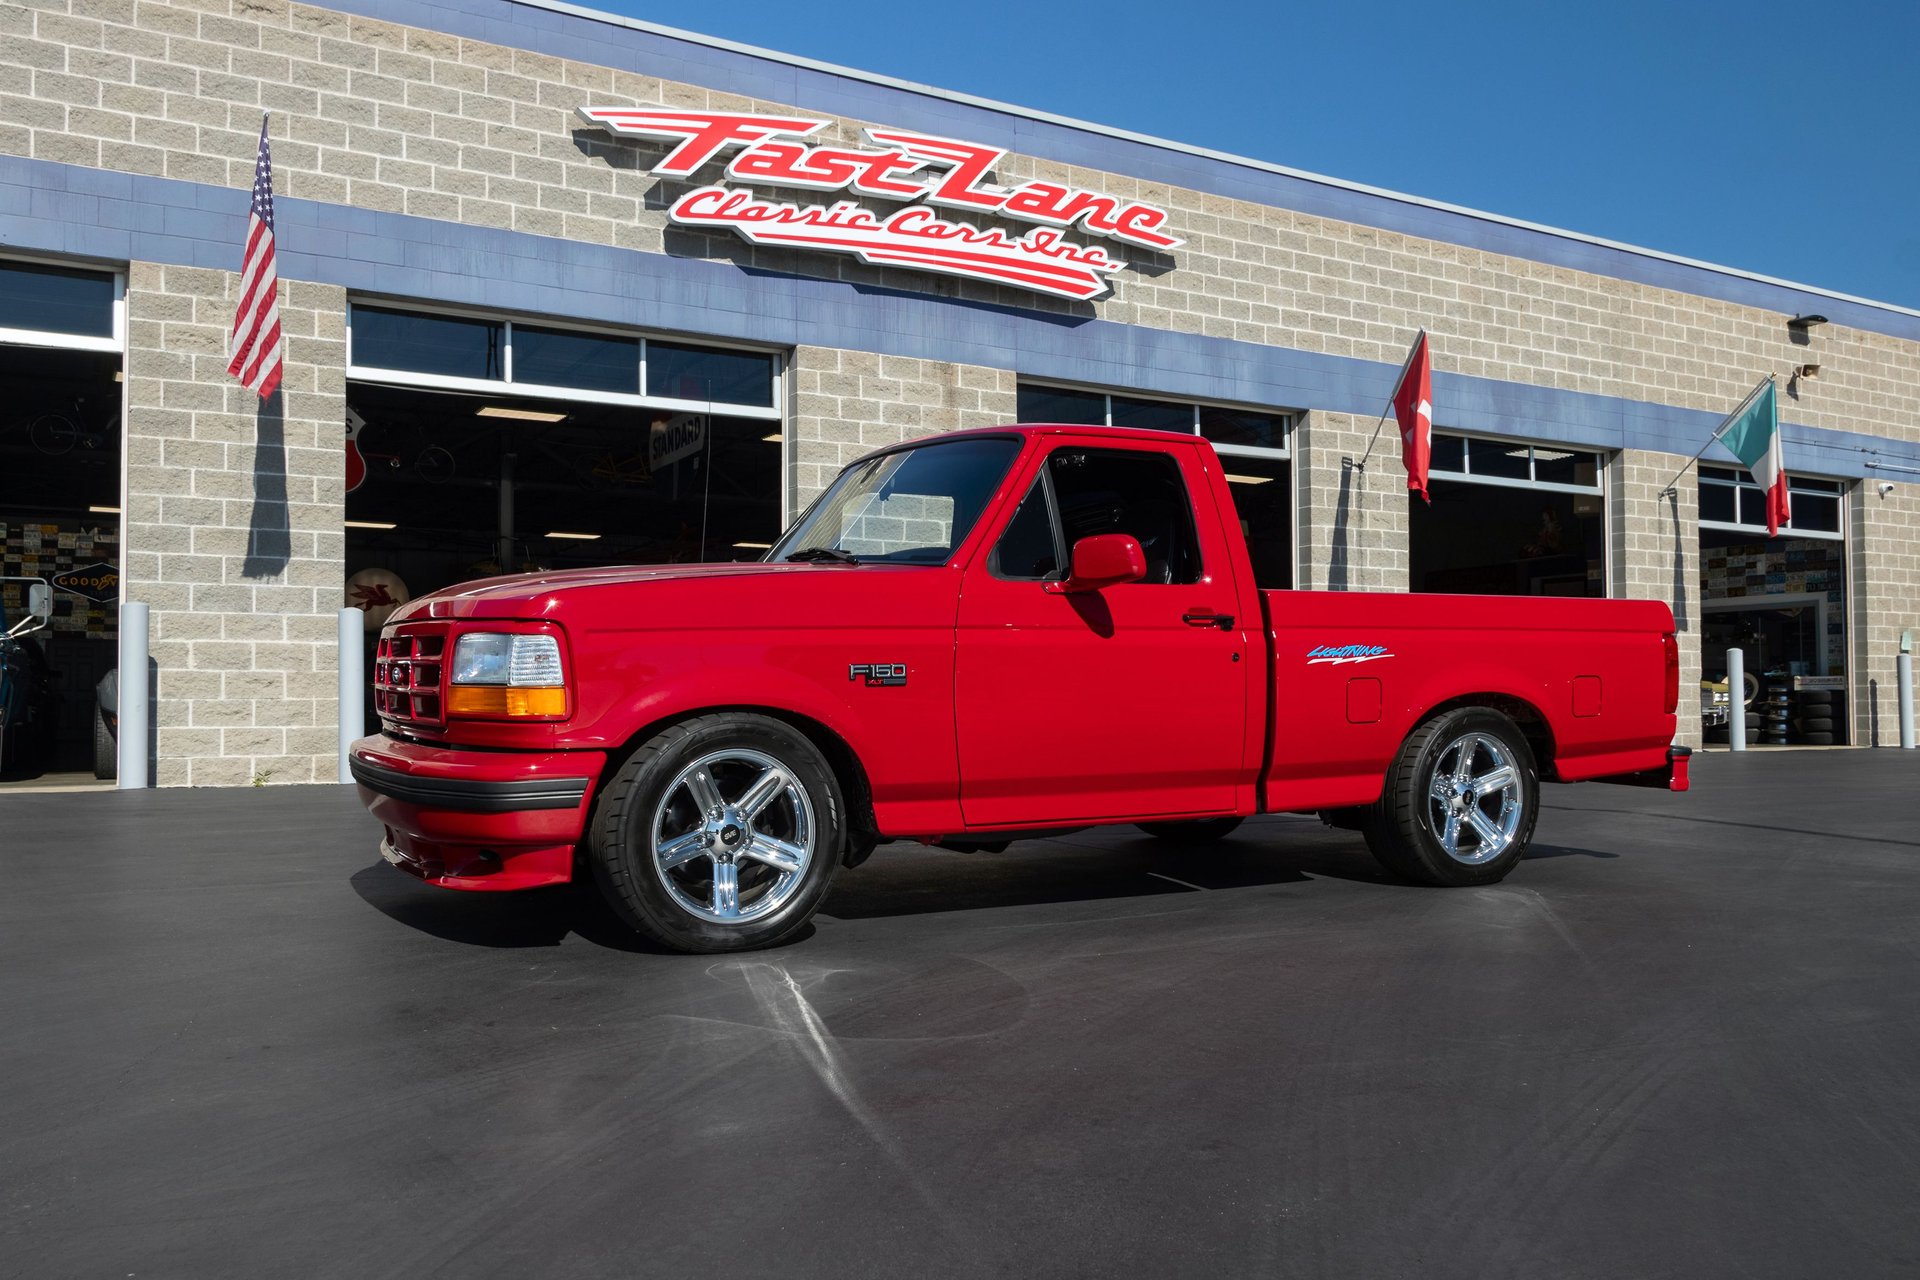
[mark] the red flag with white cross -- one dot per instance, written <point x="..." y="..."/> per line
<point x="1413" y="409"/>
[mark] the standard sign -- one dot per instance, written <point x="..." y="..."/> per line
<point x="920" y="173"/>
<point x="672" y="439"/>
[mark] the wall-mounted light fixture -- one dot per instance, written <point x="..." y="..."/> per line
<point x="1808" y="371"/>
<point x="1806" y="322"/>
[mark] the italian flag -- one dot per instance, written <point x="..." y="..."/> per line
<point x="1753" y="433"/>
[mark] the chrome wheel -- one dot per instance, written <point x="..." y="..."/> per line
<point x="1474" y="802"/>
<point x="732" y="837"/>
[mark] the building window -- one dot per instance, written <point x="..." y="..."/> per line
<point x="60" y="498"/>
<point x="1255" y="447"/>
<point x="453" y="352"/>
<point x="48" y="306"/>
<point x="1730" y="501"/>
<point x="1509" y="518"/>
<point x="479" y="444"/>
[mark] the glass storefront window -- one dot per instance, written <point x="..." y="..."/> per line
<point x="680" y="372"/>
<point x="56" y="300"/>
<point x="1243" y="427"/>
<point x="570" y="358"/>
<point x="451" y="346"/>
<point x="481" y="354"/>
<point x="1731" y="501"/>
<point x="1152" y="415"/>
<point x="1058" y="404"/>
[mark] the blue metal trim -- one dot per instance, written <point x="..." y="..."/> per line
<point x="46" y="207"/>
<point x="583" y="38"/>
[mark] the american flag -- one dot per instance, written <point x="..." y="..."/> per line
<point x="253" y="349"/>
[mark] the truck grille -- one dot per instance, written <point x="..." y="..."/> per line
<point x="408" y="673"/>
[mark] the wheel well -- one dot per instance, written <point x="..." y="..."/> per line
<point x="1532" y="725"/>
<point x="862" y="829"/>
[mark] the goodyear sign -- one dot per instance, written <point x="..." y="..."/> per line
<point x="97" y="582"/>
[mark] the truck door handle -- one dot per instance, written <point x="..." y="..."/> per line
<point x="1207" y="618"/>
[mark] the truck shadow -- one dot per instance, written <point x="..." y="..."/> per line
<point x="909" y="880"/>
<point x="533" y="918"/>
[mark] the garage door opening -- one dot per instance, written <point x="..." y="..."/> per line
<point x="1508" y="520"/>
<point x="1782" y="601"/>
<point x="60" y="468"/>
<point x="478" y="446"/>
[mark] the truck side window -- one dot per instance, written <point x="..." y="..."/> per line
<point x="1028" y="550"/>
<point x="1127" y="491"/>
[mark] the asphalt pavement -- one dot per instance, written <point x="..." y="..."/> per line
<point x="1683" y="1039"/>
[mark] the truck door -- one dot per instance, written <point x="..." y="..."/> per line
<point x="1125" y="702"/>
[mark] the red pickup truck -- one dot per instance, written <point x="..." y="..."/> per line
<point x="966" y="640"/>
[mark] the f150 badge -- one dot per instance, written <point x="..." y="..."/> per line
<point x="1337" y="654"/>
<point x="878" y="672"/>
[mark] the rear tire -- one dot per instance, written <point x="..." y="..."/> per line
<point x="720" y="833"/>
<point x="1196" y="831"/>
<point x="1460" y="801"/>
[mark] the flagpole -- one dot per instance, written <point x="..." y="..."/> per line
<point x="1397" y="383"/>
<point x="1672" y="489"/>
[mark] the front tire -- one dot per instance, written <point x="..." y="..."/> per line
<point x="1459" y="803"/>
<point x="720" y="833"/>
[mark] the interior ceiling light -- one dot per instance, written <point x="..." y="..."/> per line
<point x="523" y="415"/>
<point x="1233" y="479"/>
<point x="371" y="524"/>
<point x="106" y="511"/>
<point x="775" y="438"/>
<point x="1551" y="455"/>
<point x="576" y="537"/>
<point x="754" y="546"/>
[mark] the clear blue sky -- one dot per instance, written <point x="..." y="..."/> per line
<point x="1778" y="138"/>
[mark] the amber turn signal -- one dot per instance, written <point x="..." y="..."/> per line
<point x="510" y="701"/>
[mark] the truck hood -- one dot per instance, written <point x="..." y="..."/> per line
<point x="541" y="595"/>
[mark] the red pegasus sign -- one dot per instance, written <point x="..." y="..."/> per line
<point x="911" y="169"/>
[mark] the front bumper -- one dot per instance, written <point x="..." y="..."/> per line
<point x="477" y="819"/>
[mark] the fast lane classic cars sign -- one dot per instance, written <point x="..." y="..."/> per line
<point x="920" y="172"/>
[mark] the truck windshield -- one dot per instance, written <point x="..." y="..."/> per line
<point x="911" y="506"/>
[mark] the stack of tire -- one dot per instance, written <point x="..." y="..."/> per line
<point x="1776" y="711"/>
<point x="1813" y="717"/>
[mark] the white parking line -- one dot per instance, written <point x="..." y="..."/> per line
<point x="1182" y="883"/>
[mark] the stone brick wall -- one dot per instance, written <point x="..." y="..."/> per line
<point x="1884" y="600"/>
<point x="380" y="116"/>
<point x="233" y="529"/>
<point x="1654" y="554"/>
<point x="846" y="403"/>
<point x="1352" y="523"/>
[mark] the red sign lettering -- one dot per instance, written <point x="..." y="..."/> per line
<point x="910" y="167"/>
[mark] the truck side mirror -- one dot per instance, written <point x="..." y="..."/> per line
<point x="1104" y="560"/>
<point x="39" y="610"/>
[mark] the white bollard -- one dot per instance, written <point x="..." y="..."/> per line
<point x="1903" y="668"/>
<point x="353" y="682"/>
<point x="134" y="693"/>
<point x="1736" y="700"/>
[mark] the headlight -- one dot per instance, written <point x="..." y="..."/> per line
<point x="507" y="675"/>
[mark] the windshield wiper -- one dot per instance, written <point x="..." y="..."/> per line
<point x="834" y="554"/>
